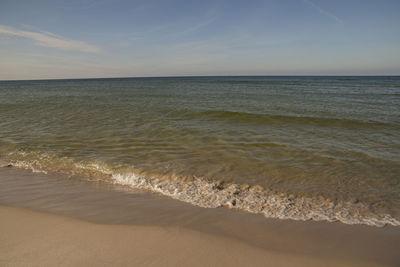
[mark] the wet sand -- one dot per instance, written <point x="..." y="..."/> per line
<point x="49" y="220"/>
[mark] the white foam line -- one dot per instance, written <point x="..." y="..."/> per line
<point x="271" y="205"/>
<point x="208" y="194"/>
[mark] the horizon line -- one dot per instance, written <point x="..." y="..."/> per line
<point x="200" y="76"/>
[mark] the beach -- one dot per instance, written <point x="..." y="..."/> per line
<point x="199" y="133"/>
<point x="206" y="171"/>
<point x="48" y="221"/>
<point x="39" y="239"/>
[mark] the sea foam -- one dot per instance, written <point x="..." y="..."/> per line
<point x="259" y="200"/>
<point x="208" y="193"/>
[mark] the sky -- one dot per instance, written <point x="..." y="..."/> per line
<point x="138" y="38"/>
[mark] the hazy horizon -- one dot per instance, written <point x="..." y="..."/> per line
<point x="203" y="76"/>
<point x="119" y="38"/>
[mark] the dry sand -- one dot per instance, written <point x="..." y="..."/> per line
<point x="30" y="238"/>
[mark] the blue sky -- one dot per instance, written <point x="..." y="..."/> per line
<point x="120" y="38"/>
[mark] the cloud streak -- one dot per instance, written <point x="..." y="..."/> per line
<point x="322" y="11"/>
<point x="48" y="39"/>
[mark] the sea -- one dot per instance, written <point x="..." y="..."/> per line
<point x="287" y="147"/>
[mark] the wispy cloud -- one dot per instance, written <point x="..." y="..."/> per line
<point x="48" y="39"/>
<point x="82" y="5"/>
<point x="198" y="26"/>
<point x="322" y="11"/>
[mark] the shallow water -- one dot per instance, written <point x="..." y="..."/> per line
<point x="322" y="148"/>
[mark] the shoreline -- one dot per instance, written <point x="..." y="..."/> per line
<point x="249" y="198"/>
<point x="30" y="200"/>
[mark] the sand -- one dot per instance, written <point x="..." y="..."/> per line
<point x="47" y="220"/>
<point x="37" y="239"/>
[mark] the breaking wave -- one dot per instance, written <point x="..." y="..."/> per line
<point x="214" y="194"/>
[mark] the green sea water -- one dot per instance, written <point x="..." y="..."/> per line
<point x="322" y="148"/>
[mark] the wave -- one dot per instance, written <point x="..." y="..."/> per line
<point x="213" y="193"/>
<point x="279" y="119"/>
<point x="348" y="79"/>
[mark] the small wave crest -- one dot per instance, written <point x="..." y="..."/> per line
<point x="259" y="200"/>
<point x="214" y="194"/>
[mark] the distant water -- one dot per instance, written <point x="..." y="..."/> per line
<point x="321" y="148"/>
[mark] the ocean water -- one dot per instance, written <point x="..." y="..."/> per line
<point x="320" y="148"/>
